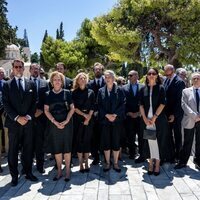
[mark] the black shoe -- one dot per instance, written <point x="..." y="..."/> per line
<point x="95" y="162"/>
<point x="179" y="166"/>
<point x="57" y="178"/>
<point x="41" y="170"/>
<point x="150" y="172"/>
<point x="1" y="170"/>
<point x="14" y="182"/>
<point x="156" y="173"/>
<point x="31" y="177"/>
<point x="82" y="171"/>
<point x="67" y="179"/>
<point x="117" y="169"/>
<point x="87" y="170"/>
<point x="139" y="160"/>
<point x="106" y="168"/>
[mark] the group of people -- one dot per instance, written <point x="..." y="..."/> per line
<point x="155" y="120"/>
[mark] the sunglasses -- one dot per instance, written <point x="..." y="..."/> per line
<point x="151" y="73"/>
<point x="18" y="67"/>
<point x="196" y="78"/>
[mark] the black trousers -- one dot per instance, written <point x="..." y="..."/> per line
<point x="187" y="145"/>
<point x="39" y="125"/>
<point x="176" y="136"/>
<point x="23" y="136"/>
<point x="133" y="128"/>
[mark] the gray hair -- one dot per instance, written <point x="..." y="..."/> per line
<point x="110" y="72"/>
<point x="3" y="70"/>
<point x="168" y="66"/>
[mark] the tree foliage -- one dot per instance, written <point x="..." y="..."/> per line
<point x="155" y="30"/>
<point x="70" y="53"/>
<point x="7" y="33"/>
<point x="35" y="58"/>
<point x="60" y="32"/>
<point x="94" y="51"/>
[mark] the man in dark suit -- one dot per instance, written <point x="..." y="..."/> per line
<point x="95" y="85"/>
<point x="174" y="87"/>
<point x="191" y="122"/>
<point x="39" y="120"/>
<point x="19" y="100"/>
<point x="60" y="67"/>
<point x="132" y="122"/>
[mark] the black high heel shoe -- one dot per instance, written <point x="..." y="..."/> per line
<point x="116" y="168"/>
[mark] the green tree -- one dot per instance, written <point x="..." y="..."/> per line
<point x="60" y="32"/>
<point x="149" y="30"/>
<point x="26" y="39"/>
<point x="7" y="33"/>
<point x="70" y="53"/>
<point x="41" y="59"/>
<point x="35" y="58"/>
<point x="94" y="52"/>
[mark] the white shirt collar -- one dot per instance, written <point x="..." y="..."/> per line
<point x="100" y="80"/>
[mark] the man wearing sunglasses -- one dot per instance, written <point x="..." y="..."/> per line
<point x="132" y="121"/>
<point x="19" y="100"/>
<point x="191" y="122"/>
<point x="174" y="86"/>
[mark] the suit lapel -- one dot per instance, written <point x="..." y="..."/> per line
<point x="15" y="89"/>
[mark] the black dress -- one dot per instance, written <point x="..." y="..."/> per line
<point x="162" y="126"/>
<point x="83" y="100"/>
<point x="59" y="140"/>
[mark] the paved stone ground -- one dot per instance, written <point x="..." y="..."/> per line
<point x="132" y="183"/>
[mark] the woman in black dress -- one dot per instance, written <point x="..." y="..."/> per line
<point x="111" y="107"/>
<point x="59" y="110"/>
<point x="152" y="103"/>
<point x="84" y="100"/>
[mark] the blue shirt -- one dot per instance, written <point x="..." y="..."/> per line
<point x="134" y="88"/>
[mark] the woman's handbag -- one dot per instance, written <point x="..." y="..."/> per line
<point x="149" y="134"/>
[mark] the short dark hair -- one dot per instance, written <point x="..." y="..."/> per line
<point x="18" y="60"/>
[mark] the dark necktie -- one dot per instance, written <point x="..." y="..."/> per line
<point x="21" y="91"/>
<point x="98" y="84"/>
<point x="197" y="99"/>
<point x="1" y="86"/>
<point x="35" y="81"/>
<point x="167" y="82"/>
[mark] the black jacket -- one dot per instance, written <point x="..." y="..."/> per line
<point x="14" y="105"/>
<point x="113" y="104"/>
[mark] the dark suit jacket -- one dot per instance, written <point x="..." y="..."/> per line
<point x="132" y="102"/>
<point x="43" y="87"/>
<point x="14" y="105"/>
<point x="115" y="104"/>
<point x="93" y="86"/>
<point x="173" y="95"/>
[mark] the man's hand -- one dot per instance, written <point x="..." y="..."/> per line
<point x="171" y="119"/>
<point x="22" y="120"/>
<point x="38" y="113"/>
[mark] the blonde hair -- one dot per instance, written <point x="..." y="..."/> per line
<point x="110" y="73"/>
<point x="56" y="73"/>
<point x="75" y="82"/>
